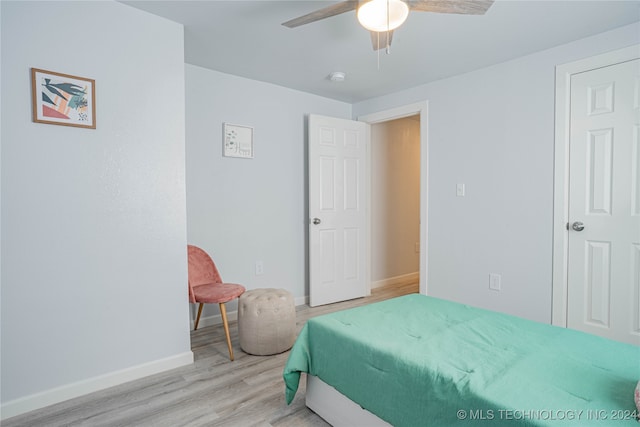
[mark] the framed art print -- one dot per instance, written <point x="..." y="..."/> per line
<point x="238" y="141"/>
<point x="63" y="99"/>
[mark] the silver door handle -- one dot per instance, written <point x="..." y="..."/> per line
<point x="316" y="221"/>
<point x="577" y="226"/>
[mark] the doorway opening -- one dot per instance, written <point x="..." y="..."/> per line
<point x="398" y="188"/>
<point x="395" y="203"/>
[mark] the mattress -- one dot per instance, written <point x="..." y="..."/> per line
<point x="418" y="360"/>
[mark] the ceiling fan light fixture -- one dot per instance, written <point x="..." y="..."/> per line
<point x="373" y="14"/>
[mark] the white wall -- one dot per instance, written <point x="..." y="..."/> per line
<point x="493" y="130"/>
<point x="93" y="221"/>
<point x="244" y="210"/>
<point x="395" y="200"/>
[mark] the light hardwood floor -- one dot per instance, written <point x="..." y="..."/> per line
<point x="213" y="391"/>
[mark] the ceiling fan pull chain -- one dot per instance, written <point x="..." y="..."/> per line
<point x="378" y="51"/>
<point x="388" y="49"/>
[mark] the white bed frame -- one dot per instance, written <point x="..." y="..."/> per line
<point x="337" y="409"/>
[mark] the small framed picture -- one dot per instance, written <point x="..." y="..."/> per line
<point x="237" y="141"/>
<point x="63" y="99"/>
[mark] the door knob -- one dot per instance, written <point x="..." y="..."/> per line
<point x="316" y="221"/>
<point x="577" y="226"/>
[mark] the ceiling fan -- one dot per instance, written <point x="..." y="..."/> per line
<point x="381" y="17"/>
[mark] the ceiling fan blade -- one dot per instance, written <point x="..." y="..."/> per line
<point x="333" y="10"/>
<point x="379" y="40"/>
<point x="465" y="7"/>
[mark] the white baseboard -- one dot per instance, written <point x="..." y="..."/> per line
<point x="214" y="320"/>
<point x="233" y="315"/>
<point x="397" y="280"/>
<point x="90" y="385"/>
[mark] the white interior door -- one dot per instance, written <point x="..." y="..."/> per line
<point x="337" y="209"/>
<point x="604" y="203"/>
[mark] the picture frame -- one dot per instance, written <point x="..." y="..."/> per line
<point x="63" y="99"/>
<point x="237" y="141"/>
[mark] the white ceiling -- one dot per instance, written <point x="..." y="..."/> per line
<point x="246" y="38"/>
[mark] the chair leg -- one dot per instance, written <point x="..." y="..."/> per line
<point x="195" y="327"/>
<point x="223" y="312"/>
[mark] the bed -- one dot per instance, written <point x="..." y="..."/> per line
<point x="421" y="361"/>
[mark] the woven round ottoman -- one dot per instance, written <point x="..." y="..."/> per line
<point x="266" y="321"/>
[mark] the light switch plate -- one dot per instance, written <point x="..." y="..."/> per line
<point x="460" y="190"/>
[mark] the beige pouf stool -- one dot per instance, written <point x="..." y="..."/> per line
<point x="266" y="321"/>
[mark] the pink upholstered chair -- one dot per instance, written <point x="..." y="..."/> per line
<point x="206" y="287"/>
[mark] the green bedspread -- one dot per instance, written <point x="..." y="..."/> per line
<point x="421" y="361"/>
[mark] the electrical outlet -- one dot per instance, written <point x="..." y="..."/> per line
<point x="460" y="190"/>
<point x="259" y="268"/>
<point x="494" y="281"/>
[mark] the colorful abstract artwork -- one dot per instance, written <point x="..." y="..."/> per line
<point x="63" y="99"/>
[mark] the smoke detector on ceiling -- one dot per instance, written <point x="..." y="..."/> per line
<point x="337" y="76"/>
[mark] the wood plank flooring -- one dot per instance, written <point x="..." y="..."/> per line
<point x="213" y="391"/>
